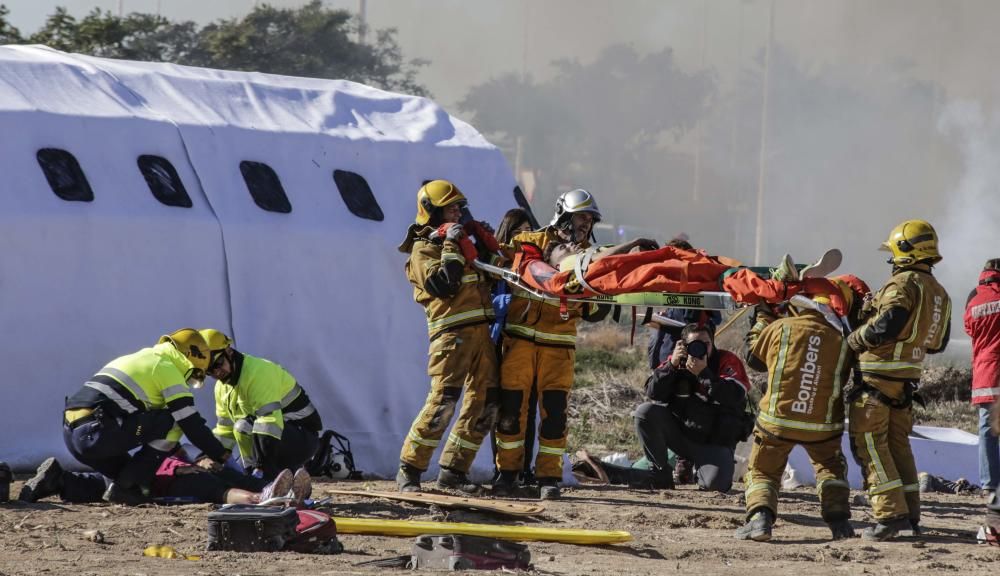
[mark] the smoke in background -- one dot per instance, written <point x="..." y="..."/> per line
<point x="969" y="233"/>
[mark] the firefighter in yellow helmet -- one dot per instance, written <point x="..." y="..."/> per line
<point x="261" y="410"/>
<point x="908" y="318"/>
<point x="539" y="352"/>
<point x="142" y="400"/>
<point x="462" y="358"/>
<point x="808" y="363"/>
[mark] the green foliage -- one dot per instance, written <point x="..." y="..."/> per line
<point x="8" y="33"/>
<point x="312" y="41"/>
<point x="608" y="123"/>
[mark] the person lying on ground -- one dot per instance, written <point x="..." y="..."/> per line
<point x="180" y="480"/>
<point x="697" y="408"/>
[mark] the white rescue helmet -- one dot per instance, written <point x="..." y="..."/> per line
<point x="572" y="202"/>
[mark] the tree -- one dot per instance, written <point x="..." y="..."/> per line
<point x="8" y="34"/>
<point x="309" y="41"/>
<point x="607" y="124"/>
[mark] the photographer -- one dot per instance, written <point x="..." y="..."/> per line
<point x="697" y="408"/>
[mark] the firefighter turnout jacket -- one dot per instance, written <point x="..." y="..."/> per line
<point x="150" y="379"/>
<point x="452" y="292"/>
<point x="541" y="321"/>
<point x="982" y="324"/>
<point x="808" y="363"/>
<point x="253" y="410"/>
<point x="911" y="317"/>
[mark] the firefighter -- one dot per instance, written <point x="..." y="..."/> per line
<point x="808" y="363"/>
<point x="261" y="410"/>
<point x="908" y="318"/>
<point x="142" y="400"/>
<point x="539" y="351"/>
<point x="456" y="299"/>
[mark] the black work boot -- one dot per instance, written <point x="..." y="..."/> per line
<point x="408" y="478"/>
<point x="841" y="529"/>
<point x="758" y="526"/>
<point x="913" y="531"/>
<point x="548" y="489"/>
<point x="47" y="481"/>
<point x="449" y="479"/>
<point x="132" y="496"/>
<point x="886" y="529"/>
<point x="505" y="485"/>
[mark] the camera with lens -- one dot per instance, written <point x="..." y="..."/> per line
<point x="697" y="349"/>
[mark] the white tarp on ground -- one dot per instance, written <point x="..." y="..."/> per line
<point x="319" y="290"/>
<point x="946" y="452"/>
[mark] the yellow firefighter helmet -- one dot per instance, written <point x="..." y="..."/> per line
<point x="217" y="341"/>
<point x="433" y="195"/>
<point x="191" y="344"/>
<point x="912" y="241"/>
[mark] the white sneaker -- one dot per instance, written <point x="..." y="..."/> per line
<point x="279" y="487"/>
<point x="301" y="485"/>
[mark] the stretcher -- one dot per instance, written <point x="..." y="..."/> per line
<point x="690" y="300"/>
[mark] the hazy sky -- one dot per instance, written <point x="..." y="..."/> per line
<point x="468" y="41"/>
<point x="950" y="44"/>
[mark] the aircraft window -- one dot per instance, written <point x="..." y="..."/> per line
<point x="64" y="175"/>
<point x="163" y="181"/>
<point x="265" y="187"/>
<point x="357" y="195"/>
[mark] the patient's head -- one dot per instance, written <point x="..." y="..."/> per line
<point x="556" y="252"/>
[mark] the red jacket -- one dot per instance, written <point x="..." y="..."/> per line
<point x="982" y="323"/>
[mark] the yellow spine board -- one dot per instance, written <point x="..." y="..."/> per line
<point x="519" y="533"/>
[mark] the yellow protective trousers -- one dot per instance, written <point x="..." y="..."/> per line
<point x="550" y="369"/>
<point x="768" y="457"/>
<point x="880" y="441"/>
<point x="461" y="359"/>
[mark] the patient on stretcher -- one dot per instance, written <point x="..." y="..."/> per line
<point x="564" y="269"/>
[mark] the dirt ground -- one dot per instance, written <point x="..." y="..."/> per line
<point x="679" y="530"/>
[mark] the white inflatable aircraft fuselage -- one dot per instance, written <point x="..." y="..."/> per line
<point x="318" y="289"/>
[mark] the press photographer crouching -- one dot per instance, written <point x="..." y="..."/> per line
<point x="696" y="408"/>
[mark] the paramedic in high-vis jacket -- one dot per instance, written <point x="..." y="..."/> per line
<point x="909" y="318"/>
<point x="261" y="410"/>
<point x="462" y="361"/>
<point x="142" y="400"/>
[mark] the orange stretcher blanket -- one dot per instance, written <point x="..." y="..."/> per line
<point x="670" y="269"/>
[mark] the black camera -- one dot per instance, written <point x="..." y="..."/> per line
<point x="697" y="349"/>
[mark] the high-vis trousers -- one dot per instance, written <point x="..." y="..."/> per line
<point x="768" y="458"/>
<point x="880" y="440"/>
<point x="550" y="368"/>
<point x="460" y="359"/>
